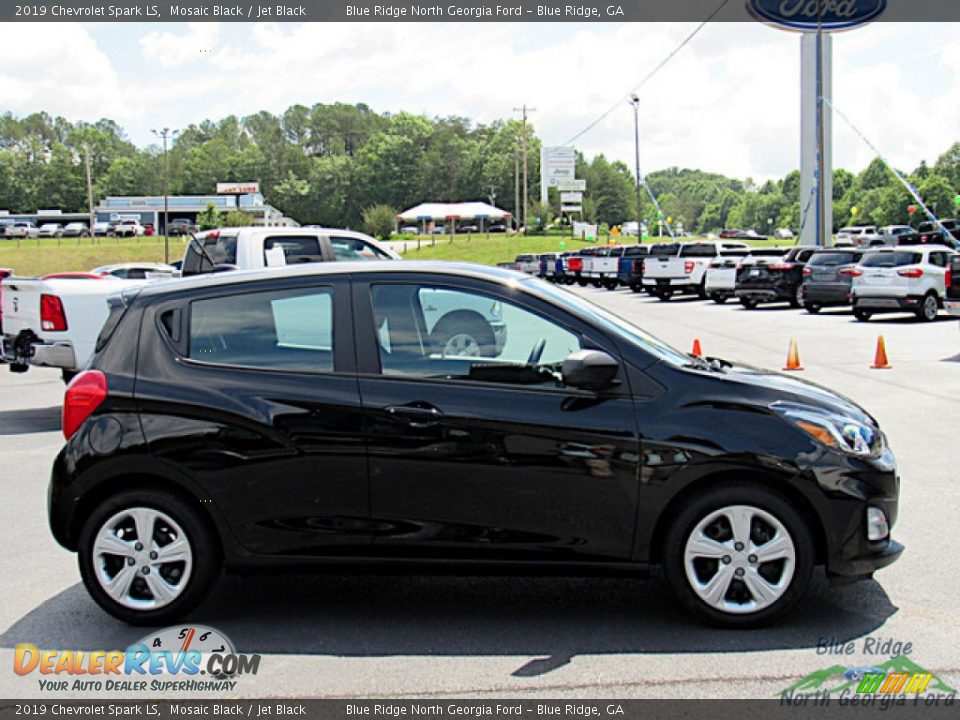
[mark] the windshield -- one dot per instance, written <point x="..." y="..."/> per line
<point x="611" y="322"/>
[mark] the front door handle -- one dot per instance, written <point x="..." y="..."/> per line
<point x="418" y="416"/>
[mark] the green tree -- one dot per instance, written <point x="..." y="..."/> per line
<point x="379" y="220"/>
<point x="209" y="219"/>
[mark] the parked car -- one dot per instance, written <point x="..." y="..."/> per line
<point x="4" y="273"/>
<point x="50" y="230"/>
<point x="741" y="235"/>
<point x="54" y="321"/>
<point x="583" y="445"/>
<point x="783" y="234"/>
<point x="148" y="230"/>
<point x="76" y="229"/>
<point x="181" y="226"/>
<point x="904" y="279"/>
<point x="600" y="269"/>
<point x="952" y="282"/>
<point x="21" y="229"/>
<point x="827" y="278"/>
<point x="684" y="271"/>
<point x="547" y="266"/>
<point x="888" y="236"/>
<point x="633" y="229"/>
<point x="574" y="264"/>
<point x="497" y="228"/>
<point x="468" y="228"/>
<point x="630" y="266"/>
<point x="137" y="271"/>
<point x="127" y="228"/>
<point x="102" y="229"/>
<point x="529" y="264"/>
<point x="858" y="235"/>
<point x="720" y="280"/>
<point x="764" y="280"/>
<point x="946" y="233"/>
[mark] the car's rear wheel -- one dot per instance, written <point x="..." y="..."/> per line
<point x="663" y="294"/>
<point x="636" y="287"/>
<point x="748" y="303"/>
<point x="862" y="315"/>
<point x="718" y="298"/>
<point x="738" y="556"/>
<point x="813" y="308"/>
<point x="147" y="557"/>
<point x="929" y="308"/>
<point x="612" y="285"/>
<point x="797" y="300"/>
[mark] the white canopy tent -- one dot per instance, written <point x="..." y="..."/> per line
<point x="454" y="212"/>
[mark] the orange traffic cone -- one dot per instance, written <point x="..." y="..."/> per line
<point x="696" y="348"/>
<point x="793" y="357"/>
<point x="880" y="362"/>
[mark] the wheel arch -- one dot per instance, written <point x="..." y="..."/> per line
<point x="739" y="476"/>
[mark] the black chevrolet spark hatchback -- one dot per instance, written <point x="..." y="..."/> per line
<point x="426" y="415"/>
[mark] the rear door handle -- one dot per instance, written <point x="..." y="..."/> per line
<point x="418" y="416"/>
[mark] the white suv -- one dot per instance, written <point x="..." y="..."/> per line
<point x="903" y="279"/>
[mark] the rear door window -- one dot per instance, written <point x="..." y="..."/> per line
<point x="348" y="248"/>
<point x="833" y="259"/>
<point x="277" y="330"/>
<point x="296" y="249"/>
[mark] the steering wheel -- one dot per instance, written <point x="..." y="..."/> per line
<point x="537" y="352"/>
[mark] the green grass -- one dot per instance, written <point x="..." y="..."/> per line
<point x="48" y="255"/>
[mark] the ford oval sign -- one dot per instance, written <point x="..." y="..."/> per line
<point x="802" y="14"/>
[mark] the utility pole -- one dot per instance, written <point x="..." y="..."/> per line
<point x="635" y="101"/>
<point x="524" y="110"/>
<point x="165" y="134"/>
<point x="86" y="161"/>
<point x="517" y="214"/>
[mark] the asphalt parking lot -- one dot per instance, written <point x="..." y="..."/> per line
<point x="560" y="638"/>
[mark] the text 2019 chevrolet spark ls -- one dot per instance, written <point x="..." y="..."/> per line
<point x="369" y="415"/>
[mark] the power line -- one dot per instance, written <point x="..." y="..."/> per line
<point x="650" y="75"/>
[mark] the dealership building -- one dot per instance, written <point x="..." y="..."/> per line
<point x="149" y="208"/>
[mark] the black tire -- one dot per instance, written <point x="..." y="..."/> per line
<point x="748" y="303"/>
<point x="636" y="287"/>
<point x="612" y="285"/>
<point x="929" y="308"/>
<point x="466" y="323"/>
<point x="697" y="509"/>
<point x="663" y="295"/>
<point x="206" y="561"/>
<point x="718" y="299"/>
<point x="862" y="315"/>
<point x="797" y="300"/>
<point x="702" y="289"/>
<point x="813" y="308"/>
<point x="582" y="282"/>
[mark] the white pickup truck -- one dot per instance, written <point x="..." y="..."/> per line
<point x="54" y="321"/>
<point x="682" y="268"/>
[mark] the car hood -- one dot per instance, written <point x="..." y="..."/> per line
<point x="778" y="387"/>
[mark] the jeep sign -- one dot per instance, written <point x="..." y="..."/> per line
<point x="802" y="14"/>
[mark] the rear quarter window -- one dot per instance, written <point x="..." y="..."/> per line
<point x="893" y="259"/>
<point x="296" y="248"/>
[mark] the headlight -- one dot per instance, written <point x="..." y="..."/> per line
<point x="835" y="431"/>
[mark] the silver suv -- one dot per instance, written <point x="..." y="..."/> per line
<point x="904" y="279"/>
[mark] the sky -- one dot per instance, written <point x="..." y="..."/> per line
<point x="729" y="102"/>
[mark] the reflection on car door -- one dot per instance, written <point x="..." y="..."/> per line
<point x="485" y="455"/>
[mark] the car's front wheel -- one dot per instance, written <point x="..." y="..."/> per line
<point x="147" y="557"/>
<point x="738" y="556"/>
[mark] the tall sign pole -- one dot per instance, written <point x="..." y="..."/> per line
<point x="635" y="101"/>
<point x="816" y="19"/>
<point x="524" y="110"/>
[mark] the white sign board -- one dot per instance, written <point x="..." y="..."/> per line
<point x="571" y="197"/>
<point x="584" y="230"/>
<point x="556" y="164"/>
<point x="237" y="188"/>
<point x="572" y="185"/>
<point x="571" y="208"/>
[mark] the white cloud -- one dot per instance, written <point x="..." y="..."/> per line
<point x="58" y="68"/>
<point x="174" y="50"/>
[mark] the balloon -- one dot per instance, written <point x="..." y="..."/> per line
<point x="563" y="245"/>
<point x="956" y="200"/>
<point x="912" y="209"/>
<point x="670" y="220"/>
<point x="646" y="237"/>
<point x="854" y="210"/>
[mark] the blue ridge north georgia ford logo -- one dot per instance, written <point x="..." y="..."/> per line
<point x="802" y="14"/>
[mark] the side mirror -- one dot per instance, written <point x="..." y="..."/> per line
<point x="590" y="370"/>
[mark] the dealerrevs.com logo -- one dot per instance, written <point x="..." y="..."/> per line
<point x="182" y="658"/>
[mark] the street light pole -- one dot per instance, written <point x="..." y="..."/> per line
<point x="165" y="134"/>
<point x="524" y="110"/>
<point x="635" y="101"/>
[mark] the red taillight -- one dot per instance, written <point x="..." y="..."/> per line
<point x="576" y="264"/>
<point x="911" y="273"/>
<point x="739" y="266"/>
<point x="52" y="317"/>
<point x="84" y="394"/>
<point x="688" y="267"/>
<point x="637" y="266"/>
<point x="947" y="281"/>
<point x="807" y="272"/>
<point x="644" y="266"/>
<point x="851" y="272"/>
<point x="782" y="266"/>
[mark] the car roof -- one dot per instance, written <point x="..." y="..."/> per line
<point x="334" y="269"/>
